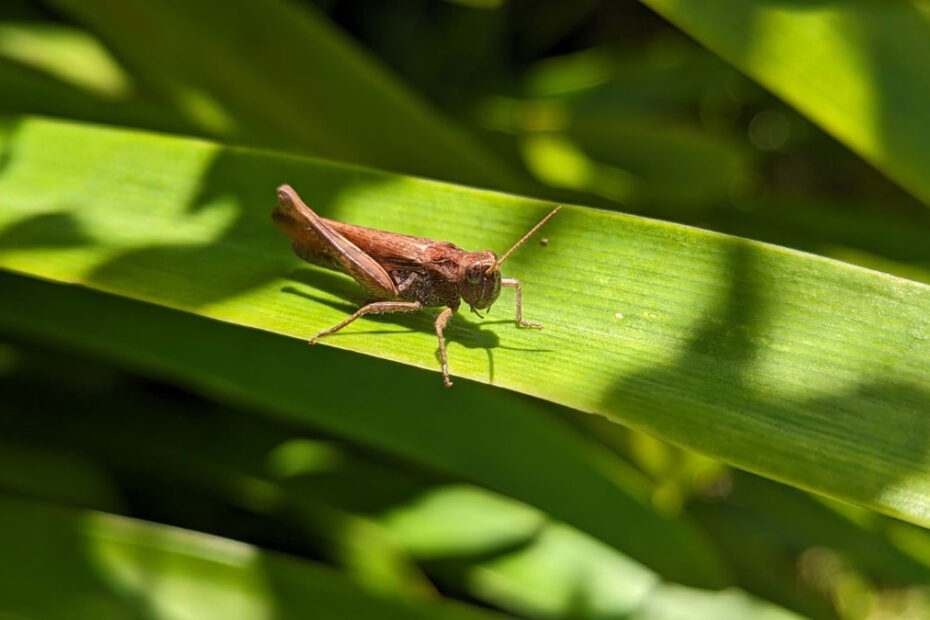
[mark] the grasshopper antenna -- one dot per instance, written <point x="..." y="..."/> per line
<point x="498" y="262"/>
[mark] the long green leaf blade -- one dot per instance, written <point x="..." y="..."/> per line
<point x="800" y="368"/>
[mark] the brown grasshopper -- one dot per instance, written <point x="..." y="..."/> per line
<point x="409" y="273"/>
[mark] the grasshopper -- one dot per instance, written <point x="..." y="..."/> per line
<point x="402" y="273"/>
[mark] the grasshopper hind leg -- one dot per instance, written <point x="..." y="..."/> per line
<point x="381" y="307"/>
<point x="440" y="325"/>
<point x="377" y="307"/>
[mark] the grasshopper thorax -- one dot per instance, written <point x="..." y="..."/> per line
<point x="480" y="279"/>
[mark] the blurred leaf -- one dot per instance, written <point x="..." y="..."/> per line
<point x="103" y="566"/>
<point x="561" y="573"/>
<point x="637" y="161"/>
<point x="558" y="572"/>
<point x="59" y="70"/>
<point x="457" y="519"/>
<point x="174" y="447"/>
<point x="857" y="69"/>
<point x="621" y="125"/>
<point x="69" y="54"/>
<point x="564" y="574"/>
<point x="673" y="163"/>
<point x="675" y="602"/>
<point x="773" y="534"/>
<point x="677" y="474"/>
<point x="807" y="521"/>
<point x="798" y="367"/>
<point x="47" y="474"/>
<point x="276" y="73"/>
<point x="479" y="4"/>
<point x="668" y="76"/>
<point x="144" y="440"/>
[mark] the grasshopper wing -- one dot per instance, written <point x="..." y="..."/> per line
<point x="315" y="238"/>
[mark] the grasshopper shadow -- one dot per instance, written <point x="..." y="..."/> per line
<point x="465" y="333"/>
<point x="473" y="336"/>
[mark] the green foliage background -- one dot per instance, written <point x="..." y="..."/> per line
<point x="172" y="449"/>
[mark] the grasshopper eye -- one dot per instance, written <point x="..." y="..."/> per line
<point x="473" y="274"/>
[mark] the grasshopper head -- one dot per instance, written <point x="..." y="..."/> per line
<point x="480" y="280"/>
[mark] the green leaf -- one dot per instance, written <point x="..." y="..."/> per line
<point x="768" y="529"/>
<point x="275" y="73"/>
<point x="857" y="69"/>
<point x="452" y="520"/>
<point x="610" y="123"/>
<point x="104" y="566"/>
<point x="76" y="454"/>
<point x="38" y="472"/>
<point x="170" y="444"/>
<point x="800" y="368"/>
<point x="67" y="54"/>
<point x="58" y="70"/>
<point x="635" y="160"/>
<point x="564" y="574"/>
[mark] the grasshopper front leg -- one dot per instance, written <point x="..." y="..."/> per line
<point x="515" y="284"/>
<point x="377" y="307"/>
